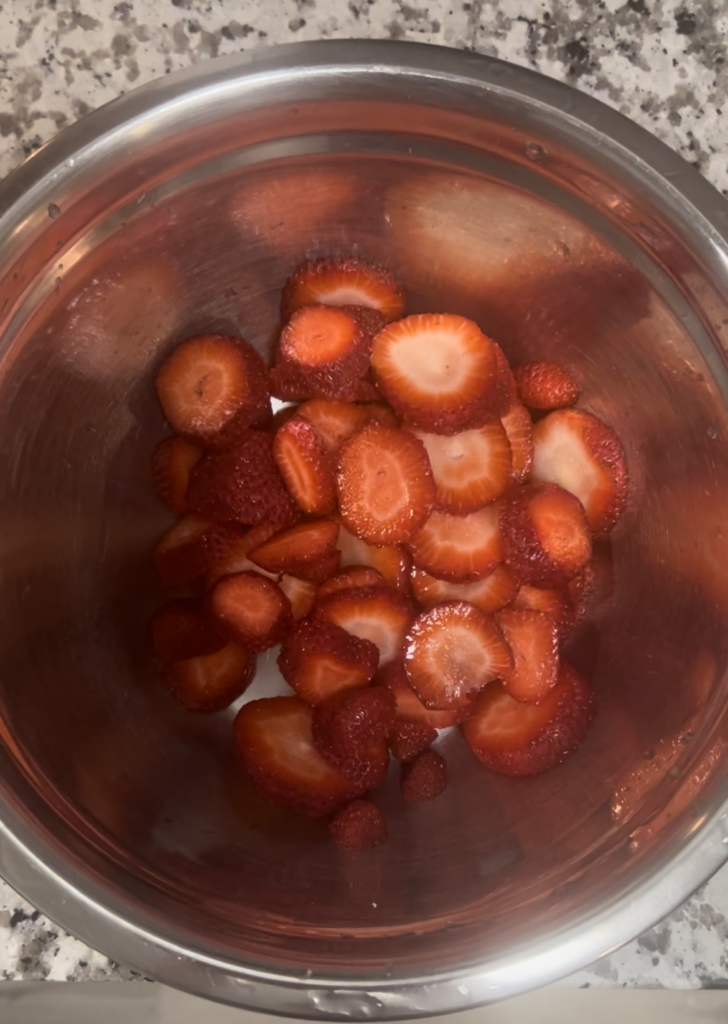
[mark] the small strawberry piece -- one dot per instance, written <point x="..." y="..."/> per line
<point x="408" y="739"/>
<point x="301" y="594"/>
<point x="558" y="604"/>
<point x="242" y="484"/>
<point x="350" y="731"/>
<point x="359" y="826"/>
<point x="519" y="428"/>
<point x="380" y="614"/>
<point x="470" y="469"/>
<point x="392" y="562"/>
<point x="379" y="413"/>
<point x="459" y="548"/>
<point x="190" y="547"/>
<point x="438" y="371"/>
<point x="507" y="393"/>
<point x="334" y="421"/>
<point x="236" y="558"/>
<point x="533" y="640"/>
<point x="320" y="660"/>
<point x="545" y="386"/>
<point x="546" y="537"/>
<point x="385" y="485"/>
<point x="409" y="706"/>
<point x="451" y="652"/>
<point x="576" y="450"/>
<point x="181" y="629"/>
<point x="274" y="743"/>
<point x="523" y="739"/>
<point x="489" y="594"/>
<point x="211" y="682"/>
<point x="337" y="282"/>
<point x="307" y="551"/>
<point x="212" y="387"/>
<point x="425" y="778"/>
<point x="251" y="610"/>
<point x="172" y="463"/>
<point x="306" y="467"/>
<point x="354" y="576"/>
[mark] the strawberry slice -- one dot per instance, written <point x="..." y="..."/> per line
<point x="546" y="537"/>
<point x="307" y="551"/>
<point x="251" y="610"/>
<point x="489" y="594"/>
<point x="319" y="660"/>
<point x="377" y="412"/>
<point x="576" y="450"/>
<point x="212" y="387"/>
<point x="438" y="371"/>
<point x="533" y="639"/>
<point x="451" y="652"/>
<point x="425" y="778"/>
<point x="337" y="282"/>
<point x="385" y="485"/>
<point x="523" y="739"/>
<point x="211" y="682"/>
<point x="391" y="562"/>
<point x="409" y="706"/>
<point x="354" y="576"/>
<point x="334" y="421"/>
<point x="190" y="547"/>
<point x="507" y="393"/>
<point x="558" y="604"/>
<point x="459" y="548"/>
<point x="358" y="826"/>
<point x="408" y="739"/>
<point x="519" y="428"/>
<point x="301" y="594"/>
<point x="380" y="614"/>
<point x="172" y="462"/>
<point x="236" y="558"/>
<point x="181" y="629"/>
<point x="545" y="386"/>
<point x="306" y="466"/>
<point x="274" y="743"/>
<point x="350" y="732"/>
<point x="470" y="469"/>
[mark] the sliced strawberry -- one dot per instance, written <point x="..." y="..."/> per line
<point x="425" y="778"/>
<point x="576" y="450"/>
<point x="519" y="428"/>
<point x="306" y="466"/>
<point x="342" y="282"/>
<point x="470" y="469"/>
<point x="546" y="537"/>
<point x="409" y="706"/>
<point x="380" y="614"/>
<point x="273" y="741"/>
<point x="438" y="371"/>
<point x="301" y="594"/>
<point x="350" y="731"/>
<point x="556" y="603"/>
<point x="359" y="826"/>
<point x="385" y="485"/>
<point x="451" y="652"/>
<point x="392" y="562"/>
<point x="354" y="576"/>
<point x="190" y="547"/>
<point x="251" y="610"/>
<point x="172" y="463"/>
<point x="377" y="412"/>
<point x="236" y="558"/>
<point x="533" y="639"/>
<point x="307" y="551"/>
<point x="212" y="387"/>
<point x="523" y="739"/>
<point x="545" y="386"/>
<point x="334" y="420"/>
<point x="181" y="629"/>
<point x="507" y="393"/>
<point x="408" y="739"/>
<point x="211" y="682"/>
<point x="459" y="548"/>
<point x="320" y="660"/>
<point x="489" y="594"/>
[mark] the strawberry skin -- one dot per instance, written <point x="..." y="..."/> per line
<point x="533" y="638"/>
<point x="545" y="386"/>
<point x="190" y="548"/>
<point x="545" y="535"/>
<point x="347" y="282"/>
<point x="319" y="660"/>
<point x="358" y="826"/>
<point x="424" y="778"/>
<point x="409" y="739"/>
<point x="181" y="629"/>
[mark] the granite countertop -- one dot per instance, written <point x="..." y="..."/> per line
<point x="660" y="62"/>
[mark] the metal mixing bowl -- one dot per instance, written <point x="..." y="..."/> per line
<point x="567" y="232"/>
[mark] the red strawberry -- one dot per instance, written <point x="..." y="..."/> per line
<point x="425" y="778"/>
<point x="236" y="558"/>
<point x="350" y="731"/>
<point x="385" y="485"/>
<point x="301" y="594"/>
<point x="489" y="594"/>
<point x="379" y="614"/>
<point x="273" y="741"/>
<point x="470" y="469"/>
<point x="523" y="739"/>
<point x="181" y="629"/>
<point x="545" y="386"/>
<point x="320" y="660"/>
<point x="251" y="610"/>
<point x="409" y="706"/>
<point x="306" y="467"/>
<point x="340" y="282"/>
<point x="451" y="652"/>
<point x="393" y="562"/>
<point x="574" y="449"/>
<point x="519" y="428"/>
<point x="358" y="826"/>
<point x="172" y="463"/>
<point x="190" y="547"/>
<point x="438" y="371"/>
<point x="556" y="603"/>
<point x="507" y="393"/>
<point x="459" y="548"/>
<point x="546" y="537"/>
<point x="212" y="387"/>
<point x="379" y="413"/>
<point x="307" y="551"/>
<point x="334" y="420"/>
<point x="408" y="739"/>
<point x="211" y="682"/>
<point x="533" y="640"/>
<point x="354" y="576"/>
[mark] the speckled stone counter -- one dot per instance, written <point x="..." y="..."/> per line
<point x="660" y="62"/>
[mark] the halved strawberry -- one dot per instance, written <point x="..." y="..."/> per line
<point x="358" y="826"/>
<point x="343" y="282"/>
<point x="172" y="463"/>
<point x="273" y="741"/>
<point x="438" y="371"/>
<point x="354" y="576"/>
<point x="301" y="594"/>
<point x="320" y="660"/>
<point x="425" y="778"/>
<point x="236" y="558"/>
<point x="392" y="562"/>
<point x="523" y="739"/>
<point x="181" y="629"/>
<point x="385" y="485"/>
<point x="350" y="731"/>
<point x="533" y="640"/>
<point x="408" y="739"/>
<point x="546" y="537"/>
<point x="409" y="706"/>
<point x="519" y="428"/>
<point x="556" y="603"/>
<point x="377" y="412"/>
<point x="211" y="682"/>
<point x="459" y="548"/>
<point x="190" y="547"/>
<point x="451" y="652"/>
<point x="306" y="466"/>
<point x="334" y="420"/>
<point x="576" y="450"/>
<point x="545" y="386"/>
<point x="251" y="610"/>
<point x="307" y="551"/>
<point x="380" y="614"/>
<point x="213" y="386"/>
<point x="489" y="594"/>
<point x="470" y="469"/>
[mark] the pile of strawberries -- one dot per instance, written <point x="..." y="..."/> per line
<point x="417" y="545"/>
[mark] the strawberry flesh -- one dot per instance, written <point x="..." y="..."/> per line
<point x="409" y="706"/>
<point x="379" y="614"/>
<point x="519" y="428"/>
<point x="470" y="469"/>
<point x="545" y="534"/>
<point x="306" y="466"/>
<point x="236" y="557"/>
<point x="334" y="420"/>
<point x="354" y="576"/>
<point x="307" y="551"/>
<point x="211" y="682"/>
<point x="489" y="594"/>
<point x="190" y="548"/>
<point x="251" y="609"/>
<point x="358" y="826"/>
<point x="459" y="548"/>
<point x="181" y="629"/>
<point x="301" y="594"/>
<point x="319" y="660"/>
<point x="337" y="282"/>
<point x="172" y="462"/>
<point x="533" y="639"/>
<point x="391" y="561"/>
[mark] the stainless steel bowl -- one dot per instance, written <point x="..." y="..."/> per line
<point x="566" y="231"/>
